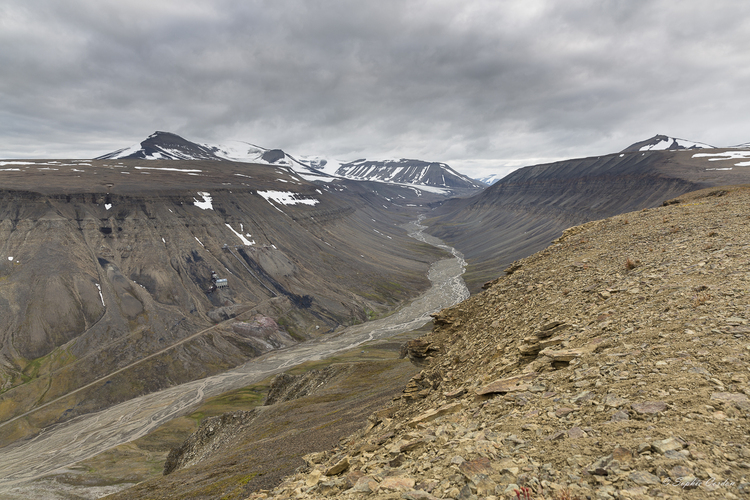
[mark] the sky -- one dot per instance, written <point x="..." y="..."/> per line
<point x="483" y="85"/>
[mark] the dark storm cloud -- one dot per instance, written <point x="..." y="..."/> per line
<point x="494" y="82"/>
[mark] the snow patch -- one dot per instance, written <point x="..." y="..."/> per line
<point x="668" y="142"/>
<point x="287" y="198"/>
<point x="315" y="177"/>
<point x="169" y="169"/>
<point x="245" y="241"/>
<point x="726" y="155"/>
<point x="206" y="203"/>
<point x="100" y="294"/>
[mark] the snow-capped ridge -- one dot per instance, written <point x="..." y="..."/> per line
<point x="407" y="171"/>
<point x="663" y="143"/>
<point x="169" y="146"/>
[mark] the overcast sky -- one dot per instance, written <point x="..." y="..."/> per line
<point x="480" y="84"/>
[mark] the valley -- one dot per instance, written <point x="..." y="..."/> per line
<point x="70" y="442"/>
<point x="113" y="269"/>
<point x="135" y="288"/>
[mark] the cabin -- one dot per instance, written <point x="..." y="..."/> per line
<point x="222" y="283"/>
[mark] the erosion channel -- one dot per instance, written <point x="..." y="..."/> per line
<point x="60" y="446"/>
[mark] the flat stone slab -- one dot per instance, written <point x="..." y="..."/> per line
<point x="436" y="413"/>
<point x="649" y="407"/>
<point x="644" y="478"/>
<point x="741" y="401"/>
<point x="510" y="384"/>
<point x="397" y="484"/>
<point x="564" y="354"/>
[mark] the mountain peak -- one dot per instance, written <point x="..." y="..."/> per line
<point x="163" y="146"/>
<point x="663" y="142"/>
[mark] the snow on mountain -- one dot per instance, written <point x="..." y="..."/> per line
<point x="168" y="146"/>
<point x="491" y="179"/>
<point x="404" y="171"/>
<point x="322" y="163"/>
<point x="238" y="151"/>
<point x="163" y="146"/>
<point x="663" y="142"/>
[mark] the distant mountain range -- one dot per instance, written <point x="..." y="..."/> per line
<point x="168" y="146"/>
<point x="405" y="172"/>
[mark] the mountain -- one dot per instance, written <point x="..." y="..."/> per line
<point x="662" y="142"/>
<point x="439" y="176"/>
<point x="531" y="206"/>
<point x="114" y="264"/>
<point x="164" y="146"/>
<point x="405" y="171"/>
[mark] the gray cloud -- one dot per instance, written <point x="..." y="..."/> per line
<point x="479" y="84"/>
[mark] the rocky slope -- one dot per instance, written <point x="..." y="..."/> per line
<point x="106" y="264"/>
<point x="527" y="209"/>
<point x="612" y="364"/>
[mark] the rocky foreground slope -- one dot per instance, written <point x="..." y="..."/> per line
<point x="613" y="364"/>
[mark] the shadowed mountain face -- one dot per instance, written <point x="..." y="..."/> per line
<point x="522" y="213"/>
<point x="104" y="263"/>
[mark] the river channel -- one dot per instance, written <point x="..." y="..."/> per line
<point x="62" y="445"/>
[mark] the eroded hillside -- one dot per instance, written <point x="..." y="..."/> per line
<point x="106" y="264"/>
<point x="612" y="364"/>
<point x="524" y="211"/>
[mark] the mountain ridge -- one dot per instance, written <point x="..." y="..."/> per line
<point x="663" y="142"/>
<point x="169" y="146"/>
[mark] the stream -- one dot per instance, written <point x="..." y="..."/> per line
<point x="60" y="446"/>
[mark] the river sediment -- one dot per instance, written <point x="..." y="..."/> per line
<point x="63" y="445"/>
